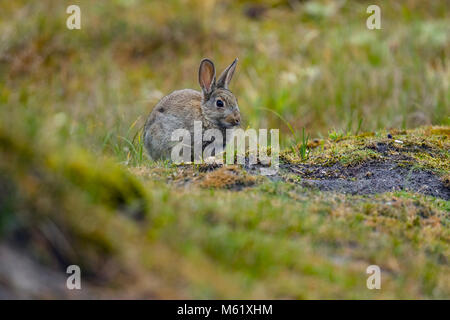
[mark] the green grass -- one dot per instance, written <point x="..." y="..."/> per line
<point x="276" y="240"/>
<point x="73" y="104"/>
<point x="110" y="73"/>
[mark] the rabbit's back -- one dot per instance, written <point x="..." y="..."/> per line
<point x="177" y="110"/>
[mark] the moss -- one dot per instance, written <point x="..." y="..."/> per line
<point x="58" y="219"/>
<point x="426" y="147"/>
<point x="224" y="244"/>
<point x="101" y="179"/>
<point x="359" y="156"/>
<point x="104" y="181"/>
<point x="440" y="131"/>
<point x="314" y="143"/>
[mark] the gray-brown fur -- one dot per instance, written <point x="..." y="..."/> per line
<point x="181" y="108"/>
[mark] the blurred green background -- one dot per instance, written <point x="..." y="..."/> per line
<point x="312" y="62"/>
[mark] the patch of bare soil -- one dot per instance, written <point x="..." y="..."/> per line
<point x="370" y="178"/>
<point x="393" y="173"/>
<point x="216" y="176"/>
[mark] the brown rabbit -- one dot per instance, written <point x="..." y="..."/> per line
<point x="216" y="107"/>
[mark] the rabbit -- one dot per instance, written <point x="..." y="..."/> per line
<point x="215" y="106"/>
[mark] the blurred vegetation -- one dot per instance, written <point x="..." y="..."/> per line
<point x="275" y="240"/>
<point x="314" y="63"/>
<point x="77" y="188"/>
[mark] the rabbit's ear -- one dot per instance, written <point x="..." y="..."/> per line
<point x="226" y="76"/>
<point x="207" y="76"/>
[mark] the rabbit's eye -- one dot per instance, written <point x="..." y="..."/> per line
<point x="219" y="103"/>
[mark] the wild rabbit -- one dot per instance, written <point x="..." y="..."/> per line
<point x="216" y="107"/>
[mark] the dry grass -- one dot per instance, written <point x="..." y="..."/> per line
<point x="230" y="177"/>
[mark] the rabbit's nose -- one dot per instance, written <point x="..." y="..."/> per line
<point x="233" y="119"/>
<point x="237" y="120"/>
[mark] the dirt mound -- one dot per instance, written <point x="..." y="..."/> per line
<point x="374" y="167"/>
<point x="369" y="178"/>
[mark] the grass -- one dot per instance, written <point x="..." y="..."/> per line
<point x="274" y="240"/>
<point x="76" y="186"/>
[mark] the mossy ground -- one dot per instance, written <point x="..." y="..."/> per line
<point x="77" y="188"/>
<point x="221" y="232"/>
